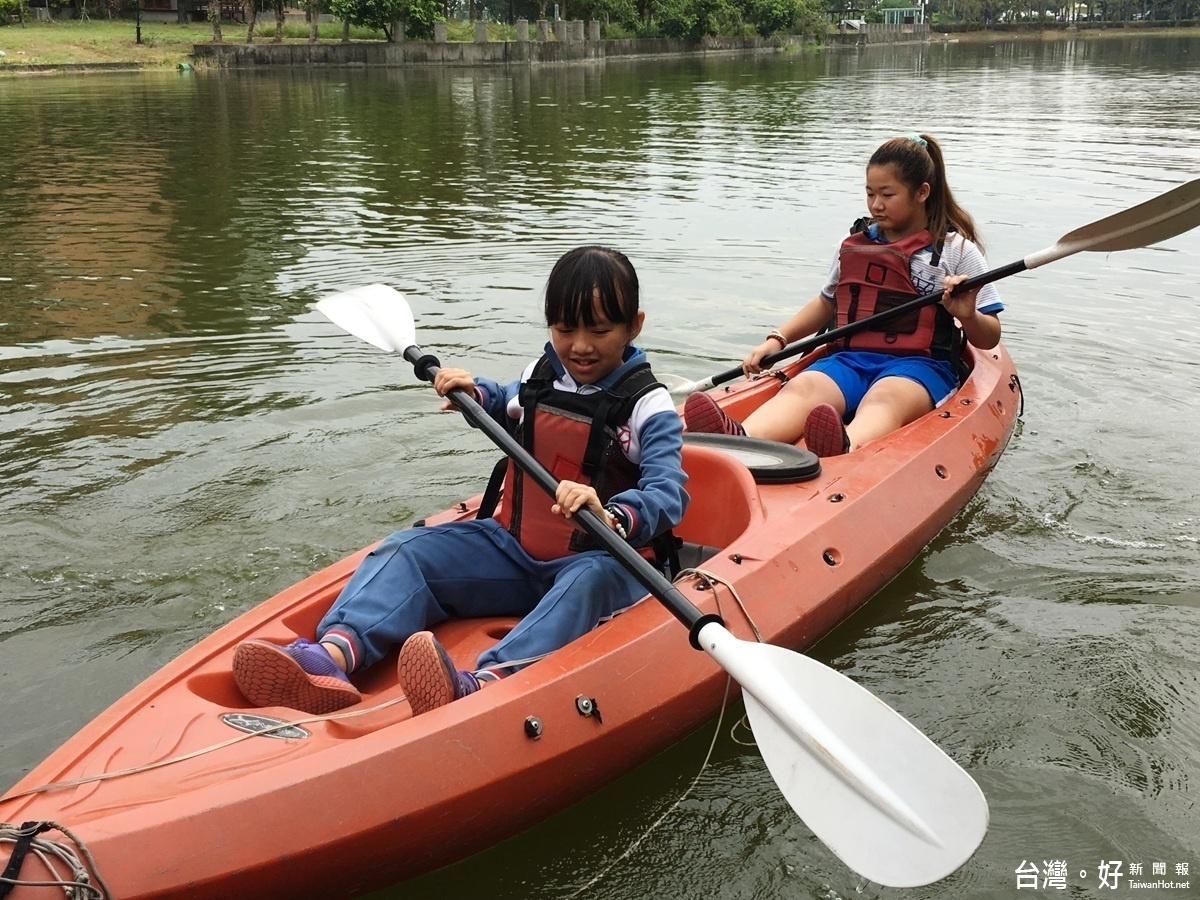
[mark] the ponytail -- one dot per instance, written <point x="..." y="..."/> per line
<point x="918" y="160"/>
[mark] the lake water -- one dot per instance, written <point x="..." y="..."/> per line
<point x="181" y="436"/>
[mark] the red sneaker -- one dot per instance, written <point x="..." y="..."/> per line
<point x="428" y="675"/>
<point x="701" y="415"/>
<point x="301" y="676"/>
<point x="824" y="433"/>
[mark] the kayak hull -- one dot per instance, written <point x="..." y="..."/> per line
<point x="184" y="804"/>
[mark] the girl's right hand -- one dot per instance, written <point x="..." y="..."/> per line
<point x="752" y="364"/>
<point x="447" y="380"/>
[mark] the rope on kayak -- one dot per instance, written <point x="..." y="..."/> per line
<point x="134" y="770"/>
<point x="77" y="885"/>
<point x="712" y="581"/>
<point x="603" y="873"/>
<point x="742" y="724"/>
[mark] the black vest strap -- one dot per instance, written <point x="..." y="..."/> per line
<point x="612" y="408"/>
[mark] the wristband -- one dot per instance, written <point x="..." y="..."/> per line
<point x="777" y="335"/>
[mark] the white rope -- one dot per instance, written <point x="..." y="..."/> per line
<point x="712" y="581"/>
<point x="78" y="884"/>
<point x="742" y="724"/>
<point x="603" y="873"/>
<point x="106" y="776"/>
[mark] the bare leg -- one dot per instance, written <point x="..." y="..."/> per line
<point x="782" y="417"/>
<point x="888" y="404"/>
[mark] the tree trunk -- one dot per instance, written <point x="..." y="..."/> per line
<point x="214" y="13"/>
<point x="251" y="8"/>
<point x="345" y="31"/>
<point x="314" y="16"/>
<point x="278" y="22"/>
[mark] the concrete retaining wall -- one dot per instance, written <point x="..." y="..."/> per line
<point x="459" y="53"/>
<point x="880" y="34"/>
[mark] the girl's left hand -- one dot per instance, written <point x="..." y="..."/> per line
<point x="962" y="304"/>
<point x="572" y="496"/>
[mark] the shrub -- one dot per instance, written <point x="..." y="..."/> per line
<point x="773" y="16"/>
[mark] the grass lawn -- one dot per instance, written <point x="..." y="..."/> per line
<point x="164" y="44"/>
<point x="101" y="41"/>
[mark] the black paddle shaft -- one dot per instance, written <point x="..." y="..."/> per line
<point x="647" y="575"/>
<point x="811" y="343"/>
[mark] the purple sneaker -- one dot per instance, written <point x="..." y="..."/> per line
<point x="702" y="416"/>
<point x="428" y="676"/>
<point x="300" y="676"/>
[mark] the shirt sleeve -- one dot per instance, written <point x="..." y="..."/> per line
<point x="829" y="291"/>
<point x="968" y="260"/>
<point x="495" y="398"/>
<point x="659" y="500"/>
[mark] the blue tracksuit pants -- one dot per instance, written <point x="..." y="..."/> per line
<point x="420" y="577"/>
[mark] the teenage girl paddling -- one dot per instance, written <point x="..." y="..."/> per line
<point x="921" y="241"/>
<point x="529" y="560"/>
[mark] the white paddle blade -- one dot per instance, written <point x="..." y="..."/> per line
<point x="883" y="797"/>
<point x="1158" y="219"/>
<point x="377" y="314"/>
<point x="680" y="388"/>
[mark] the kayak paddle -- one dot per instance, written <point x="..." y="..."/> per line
<point x="882" y="796"/>
<point x="1163" y="217"/>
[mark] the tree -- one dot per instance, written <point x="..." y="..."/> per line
<point x="214" y="13"/>
<point x="772" y="16"/>
<point x="690" y="19"/>
<point x="415" y="17"/>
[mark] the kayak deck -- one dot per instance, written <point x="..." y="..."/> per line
<point x="202" y="808"/>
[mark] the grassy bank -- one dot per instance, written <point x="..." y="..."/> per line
<point x="103" y="42"/>
<point x="87" y="43"/>
<point x="166" y="44"/>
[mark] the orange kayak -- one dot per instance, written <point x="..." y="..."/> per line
<point x="181" y="789"/>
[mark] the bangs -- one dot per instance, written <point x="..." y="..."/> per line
<point x="592" y="281"/>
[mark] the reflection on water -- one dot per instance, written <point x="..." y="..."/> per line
<point x="181" y="436"/>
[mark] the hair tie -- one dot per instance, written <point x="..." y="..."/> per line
<point x="918" y="139"/>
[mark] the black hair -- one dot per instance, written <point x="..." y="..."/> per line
<point x="918" y="160"/>
<point x="583" y="272"/>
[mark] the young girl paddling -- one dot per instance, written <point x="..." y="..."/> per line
<point x="921" y="241"/>
<point x="529" y="560"/>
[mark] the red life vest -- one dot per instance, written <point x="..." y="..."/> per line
<point x="575" y="436"/>
<point x="875" y="277"/>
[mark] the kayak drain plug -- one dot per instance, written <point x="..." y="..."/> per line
<point x="533" y="727"/>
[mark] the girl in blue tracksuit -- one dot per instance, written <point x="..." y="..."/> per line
<point x="528" y="560"/>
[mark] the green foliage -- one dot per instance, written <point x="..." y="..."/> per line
<point x="10" y="8"/>
<point x="691" y="19"/>
<point x="772" y="16"/>
<point x="380" y="14"/>
<point x="623" y="12"/>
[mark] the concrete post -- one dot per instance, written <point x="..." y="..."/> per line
<point x="522" y="30"/>
<point x="577" y="29"/>
<point x="593" y="27"/>
<point x="542" y="34"/>
<point x="439" y="32"/>
<point x="481" y="33"/>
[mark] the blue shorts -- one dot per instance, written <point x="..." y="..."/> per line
<point x="854" y="371"/>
